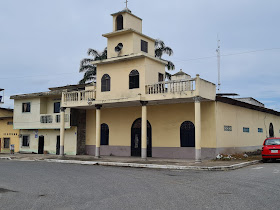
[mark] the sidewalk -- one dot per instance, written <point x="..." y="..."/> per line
<point x="136" y="162"/>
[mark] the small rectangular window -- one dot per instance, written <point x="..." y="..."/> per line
<point x="227" y="128"/>
<point x="56" y="108"/>
<point x="26" y="107"/>
<point x="144" y="46"/>
<point x="25" y="141"/>
<point x="6" y="143"/>
<point x="160" y="77"/>
<point x="246" y="130"/>
<point x="9" y="123"/>
<point x="260" y="130"/>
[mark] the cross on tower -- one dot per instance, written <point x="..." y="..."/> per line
<point x="126" y="1"/>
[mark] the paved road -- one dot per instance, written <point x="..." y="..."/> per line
<point x="42" y="185"/>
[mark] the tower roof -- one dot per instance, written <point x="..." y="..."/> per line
<point x="126" y="10"/>
<point x="180" y="73"/>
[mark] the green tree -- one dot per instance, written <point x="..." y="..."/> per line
<point x="160" y="50"/>
<point x="90" y="69"/>
<point x="87" y="66"/>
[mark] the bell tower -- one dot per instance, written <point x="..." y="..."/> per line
<point x="127" y="38"/>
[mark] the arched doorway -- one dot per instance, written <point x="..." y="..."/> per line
<point x="187" y="134"/>
<point x="136" y="138"/>
<point x="271" y="130"/>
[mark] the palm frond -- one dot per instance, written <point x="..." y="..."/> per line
<point x="170" y="65"/>
<point x="93" y="52"/>
<point x="168" y="75"/>
<point x="87" y="68"/>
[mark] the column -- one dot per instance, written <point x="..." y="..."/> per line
<point x="144" y="129"/>
<point x="62" y="130"/>
<point x="197" y="130"/>
<point x="98" y="130"/>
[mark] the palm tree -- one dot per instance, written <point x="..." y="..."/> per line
<point x="88" y="68"/>
<point x="160" y="50"/>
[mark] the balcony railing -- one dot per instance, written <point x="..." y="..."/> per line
<point x="175" y="86"/>
<point x="78" y="96"/>
<point x="52" y="118"/>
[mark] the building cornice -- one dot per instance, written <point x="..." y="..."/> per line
<point x="125" y="31"/>
<point x="128" y="57"/>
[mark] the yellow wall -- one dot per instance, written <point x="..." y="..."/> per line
<point x="50" y="138"/>
<point x="119" y="73"/>
<point x="239" y="117"/>
<point x="129" y="21"/>
<point x="165" y="121"/>
<point x="7" y="131"/>
<point x="125" y="39"/>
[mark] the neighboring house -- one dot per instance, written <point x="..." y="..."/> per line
<point x="37" y="115"/>
<point x="8" y="135"/>
<point x="135" y="113"/>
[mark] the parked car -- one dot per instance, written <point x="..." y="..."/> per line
<point x="271" y="149"/>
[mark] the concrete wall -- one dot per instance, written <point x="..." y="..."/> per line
<point x="239" y="117"/>
<point x="119" y="72"/>
<point x="50" y="139"/>
<point x="165" y="121"/>
<point x="125" y="39"/>
<point x="39" y="107"/>
<point x="7" y="131"/>
<point x="129" y="21"/>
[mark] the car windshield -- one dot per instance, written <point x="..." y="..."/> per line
<point x="272" y="142"/>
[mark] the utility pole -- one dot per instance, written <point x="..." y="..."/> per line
<point x="218" y="63"/>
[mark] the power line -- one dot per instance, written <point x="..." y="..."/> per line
<point x="231" y="54"/>
<point x="180" y="60"/>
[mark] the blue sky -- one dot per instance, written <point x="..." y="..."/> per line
<point x="43" y="41"/>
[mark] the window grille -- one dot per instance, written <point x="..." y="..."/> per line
<point x="260" y="130"/>
<point x="144" y="46"/>
<point x="246" y="130"/>
<point x="227" y="128"/>
<point x="134" y="79"/>
<point x="105" y="83"/>
<point x="46" y="119"/>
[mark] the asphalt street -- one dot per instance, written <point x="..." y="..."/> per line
<point x="42" y="185"/>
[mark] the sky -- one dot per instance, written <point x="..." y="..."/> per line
<point x="43" y="41"/>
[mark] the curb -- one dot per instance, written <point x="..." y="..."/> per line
<point x="5" y="158"/>
<point x="155" y="166"/>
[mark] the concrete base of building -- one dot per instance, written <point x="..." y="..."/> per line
<point x="170" y="152"/>
<point x="234" y="150"/>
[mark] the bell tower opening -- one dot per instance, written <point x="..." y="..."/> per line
<point x="119" y="22"/>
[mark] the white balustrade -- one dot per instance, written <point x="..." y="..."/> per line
<point x="175" y="86"/>
<point x="79" y="96"/>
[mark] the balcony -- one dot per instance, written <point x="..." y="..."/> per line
<point x="52" y="121"/>
<point x="171" y="87"/>
<point x="78" y="98"/>
<point x="52" y="118"/>
<point x="173" y="91"/>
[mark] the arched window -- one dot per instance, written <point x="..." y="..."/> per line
<point x="271" y="130"/>
<point x="187" y="134"/>
<point x="119" y="22"/>
<point x="104" y="134"/>
<point x="105" y="83"/>
<point x="134" y="79"/>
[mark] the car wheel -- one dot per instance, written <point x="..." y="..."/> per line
<point x="264" y="160"/>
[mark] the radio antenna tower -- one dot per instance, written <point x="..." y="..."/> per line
<point x="218" y="63"/>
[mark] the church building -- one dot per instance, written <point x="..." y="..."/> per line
<point x="132" y="111"/>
